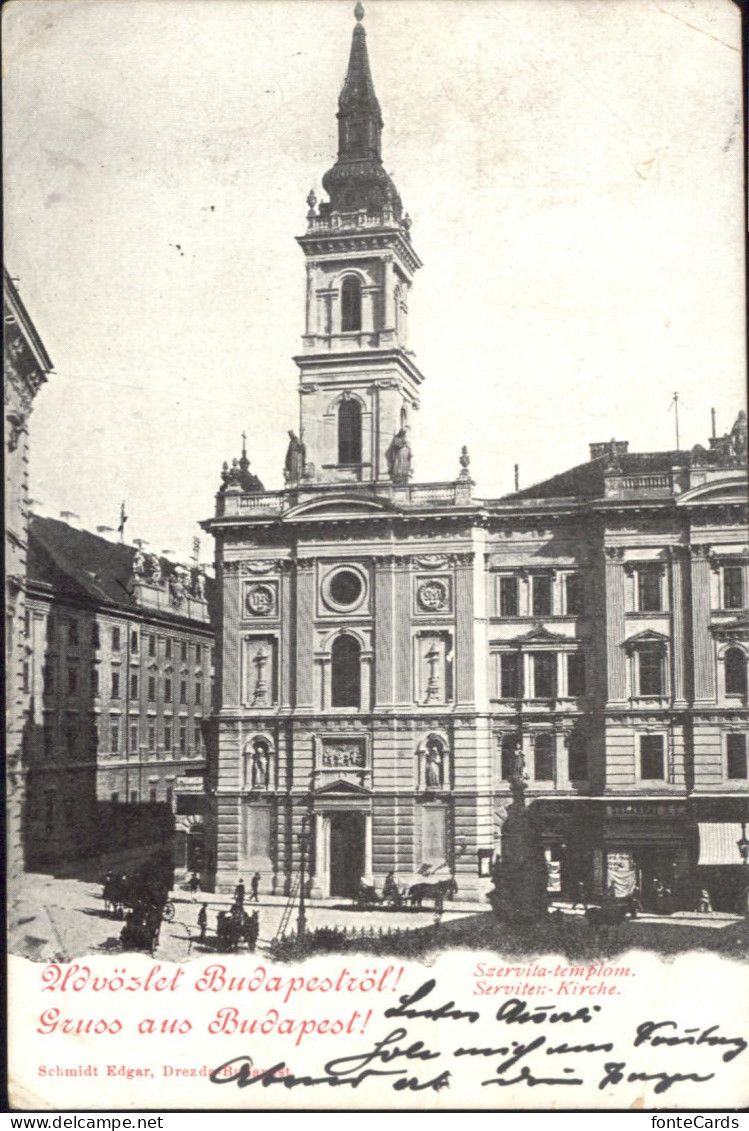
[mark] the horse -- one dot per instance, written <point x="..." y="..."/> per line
<point x="445" y="889"/>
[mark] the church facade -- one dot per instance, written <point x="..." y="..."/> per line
<point x="393" y="652"/>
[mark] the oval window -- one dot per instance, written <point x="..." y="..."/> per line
<point x="346" y="587"/>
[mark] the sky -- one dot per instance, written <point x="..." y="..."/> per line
<point x="572" y="168"/>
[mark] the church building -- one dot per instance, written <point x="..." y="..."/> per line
<point x="392" y="651"/>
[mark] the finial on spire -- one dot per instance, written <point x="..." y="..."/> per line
<point x="359" y="11"/>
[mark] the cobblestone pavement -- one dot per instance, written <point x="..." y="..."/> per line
<point x="62" y="919"/>
<point x="65" y="918"/>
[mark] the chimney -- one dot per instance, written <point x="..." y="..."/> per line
<point x="71" y="518"/>
<point x="615" y="448"/>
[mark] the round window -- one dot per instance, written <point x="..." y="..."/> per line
<point x="346" y="587"/>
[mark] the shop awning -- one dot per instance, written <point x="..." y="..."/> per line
<point x="719" y="842"/>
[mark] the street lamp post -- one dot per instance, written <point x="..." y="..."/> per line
<point x="304" y="834"/>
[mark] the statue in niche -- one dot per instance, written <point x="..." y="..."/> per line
<point x="260" y="763"/>
<point x="177" y="589"/>
<point x="198" y="584"/>
<point x="398" y="457"/>
<point x="295" y="459"/>
<point x="433" y="764"/>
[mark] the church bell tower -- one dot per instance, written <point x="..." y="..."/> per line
<point x="359" y="384"/>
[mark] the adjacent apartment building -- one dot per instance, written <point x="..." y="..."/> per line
<point x="119" y="674"/>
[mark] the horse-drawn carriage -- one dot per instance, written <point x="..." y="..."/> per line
<point x="367" y="896"/>
<point x="234" y="927"/>
<point x="142" y="927"/>
<point x="439" y="892"/>
<point x="148" y="886"/>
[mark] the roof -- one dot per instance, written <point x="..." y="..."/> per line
<point x="586" y="481"/>
<point x="82" y="566"/>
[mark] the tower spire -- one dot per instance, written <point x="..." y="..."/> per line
<point x="358" y="180"/>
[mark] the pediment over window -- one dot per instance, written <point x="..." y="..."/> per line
<point x="541" y="635"/>
<point x="339" y="786"/>
<point x="648" y="638"/>
<point x="728" y="490"/>
<point x="736" y="629"/>
<point x="346" y="506"/>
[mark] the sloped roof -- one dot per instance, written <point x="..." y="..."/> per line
<point x="586" y="481"/>
<point x="80" y="565"/>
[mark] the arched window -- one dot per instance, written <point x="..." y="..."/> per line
<point x="349" y="432"/>
<point x="345" y="672"/>
<point x="350" y="304"/>
<point x="735" y="672"/>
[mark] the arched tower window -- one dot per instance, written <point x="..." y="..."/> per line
<point x="735" y="672"/>
<point x="349" y="432"/>
<point x="345" y="672"/>
<point x="350" y="304"/>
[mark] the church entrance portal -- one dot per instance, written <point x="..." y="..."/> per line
<point x="346" y="853"/>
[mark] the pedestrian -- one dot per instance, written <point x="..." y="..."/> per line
<point x="253" y="929"/>
<point x="194" y="884"/>
<point x="254" y="887"/>
<point x="239" y="893"/>
<point x="202" y="922"/>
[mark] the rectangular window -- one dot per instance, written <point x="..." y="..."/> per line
<point x="183" y="740"/>
<point x="168" y="648"/>
<point x="544" y="675"/>
<point x="167" y="691"/>
<point x="197" y="739"/>
<point x="115" y="797"/>
<point x="152" y="796"/>
<point x="26" y="678"/>
<point x="134" y="739"/>
<point x="183" y="691"/>
<point x="509" y="677"/>
<point x="169" y="796"/>
<point x="48" y="738"/>
<point x="72" y="681"/>
<point x="73" y="633"/>
<point x="733" y="587"/>
<point x="115" y="639"/>
<point x="575" y="674"/>
<point x="114" y="738"/>
<point x="543" y="758"/>
<point x="151" y="645"/>
<point x="508" y="596"/>
<point x="736" y="751"/>
<point x="70" y="741"/>
<point x="94" y="681"/>
<point x="168" y="737"/>
<point x="95" y="636"/>
<point x="650" y="664"/>
<point x="115" y="684"/>
<point x="541" y="595"/>
<point x="574" y="595"/>
<point x="183" y="651"/>
<point x="152" y="738"/>
<point x="152" y="688"/>
<point x="649" y="598"/>
<point x="133" y="796"/>
<point x="578" y="758"/>
<point x="134" y="685"/>
<point x="198" y="692"/>
<point x="651" y="757"/>
<point x="133" y="641"/>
